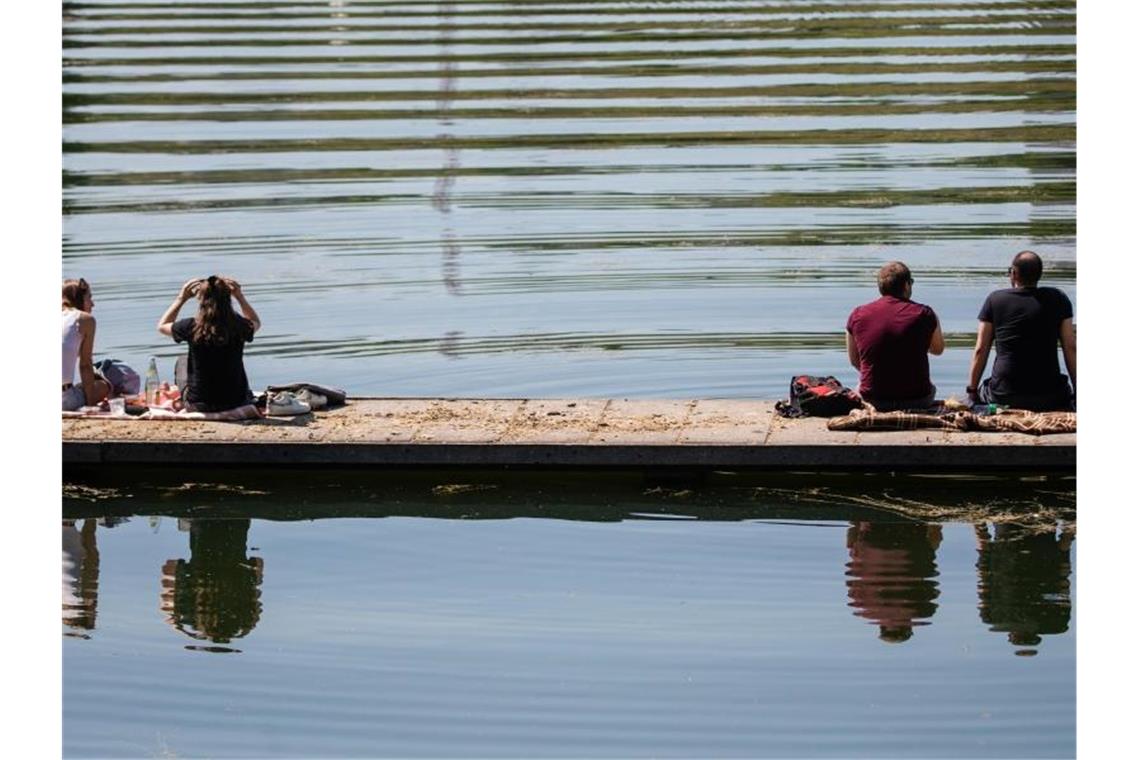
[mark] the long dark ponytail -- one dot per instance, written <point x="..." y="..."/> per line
<point x="217" y="323"/>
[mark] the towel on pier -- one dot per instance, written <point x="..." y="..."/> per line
<point x="1023" y="421"/>
<point x="862" y="419"/>
<point x="247" y="412"/>
<point x="1008" y="421"/>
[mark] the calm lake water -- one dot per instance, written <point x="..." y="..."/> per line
<point x="429" y="617"/>
<point x="564" y="198"/>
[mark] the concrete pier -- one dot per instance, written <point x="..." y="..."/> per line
<point x="618" y="433"/>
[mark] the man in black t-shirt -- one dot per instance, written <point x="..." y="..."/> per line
<point x="1024" y="324"/>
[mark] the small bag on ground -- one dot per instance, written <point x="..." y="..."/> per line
<point x="812" y="396"/>
<point x="123" y="380"/>
<point x="333" y="396"/>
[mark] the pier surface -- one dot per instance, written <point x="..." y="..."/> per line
<point x="704" y="433"/>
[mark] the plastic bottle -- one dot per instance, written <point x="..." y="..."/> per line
<point x="152" y="383"/>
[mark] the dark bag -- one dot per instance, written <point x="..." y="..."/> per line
<point x="123" y="380"/>
<point x="811" y="396"/>
<point x="335" y="396"/>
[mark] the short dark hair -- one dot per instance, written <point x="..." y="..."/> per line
<point x="893" y="279"/>
<point x="1028" y="266"/>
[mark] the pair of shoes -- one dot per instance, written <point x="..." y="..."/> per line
<point x="284" y="404"/>
<point x="314" y="400"/>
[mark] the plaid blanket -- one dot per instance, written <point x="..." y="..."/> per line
<point x="1008" y="421"/>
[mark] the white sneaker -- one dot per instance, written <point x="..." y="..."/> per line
<point x="314" y="400"/>
<point x="285" y="404"/>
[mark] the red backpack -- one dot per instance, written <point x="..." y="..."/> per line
<point x="811" y="396"/>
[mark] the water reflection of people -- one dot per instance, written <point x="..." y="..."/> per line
<point x="1023" y="581"/>
<point x="80" y="575"/>
<point x="215" y="595"/>
<point x="890" y="578"/>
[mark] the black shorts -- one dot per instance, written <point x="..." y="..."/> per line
<point x="1060" y="400"/>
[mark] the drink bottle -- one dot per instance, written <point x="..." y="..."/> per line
<point x="152" y="383"/>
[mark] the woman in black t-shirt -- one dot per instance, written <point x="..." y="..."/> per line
<point x="215" y="379"/>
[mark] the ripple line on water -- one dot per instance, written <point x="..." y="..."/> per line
<point x="1062" y="162"/>
<point x="357" y="10"/>
<point x="459" y="345"/>
<point x="1030" y="133"/>
<point x="1032" y="88"/>
<point x="992" y="48"/>
<point x="1048" y="104"/>
<point x="1044" y="192"/>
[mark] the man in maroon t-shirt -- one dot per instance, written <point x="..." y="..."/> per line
<point x="888" y="340"/>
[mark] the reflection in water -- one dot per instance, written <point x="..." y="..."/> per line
<point x="451" y="251"/>
<point x="1023" y="581"/>
<point x="449" y="344"/>
<point x="890" y="575"/>
<point x="445" y="182"/>
<point x="214" y="596"/>
<point x="80" y="575"/>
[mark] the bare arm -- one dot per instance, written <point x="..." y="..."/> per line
<point x="166" y="321"/>
<point x="852" y="351"/>
<point x="1069" y="350"/>
<point x="94" y="389"/>
<point x="937" y="342"/>
<point x="981" y="353"/>
<point x="246" y="310"/>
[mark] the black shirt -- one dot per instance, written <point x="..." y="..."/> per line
<point x="215" y="375"/>
<point x="1027" y="326"/>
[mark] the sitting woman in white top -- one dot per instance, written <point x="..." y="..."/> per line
<point x="78" y="345"/>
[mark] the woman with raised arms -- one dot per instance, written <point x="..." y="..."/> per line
<point x="216" y="336"/>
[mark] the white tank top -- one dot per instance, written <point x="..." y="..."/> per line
<point x="71" y="341"/>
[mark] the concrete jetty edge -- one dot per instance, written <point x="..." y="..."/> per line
<point x="571" y="433"/>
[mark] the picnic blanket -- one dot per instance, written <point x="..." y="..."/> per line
<point x="247" y="412"/>
<point x="1007" y="421"/>
<point x="166" y="411"/>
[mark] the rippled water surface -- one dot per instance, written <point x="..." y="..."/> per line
<point x="564" y="198"/>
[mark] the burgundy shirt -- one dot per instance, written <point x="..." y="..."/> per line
<point x="893" y="336"/>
